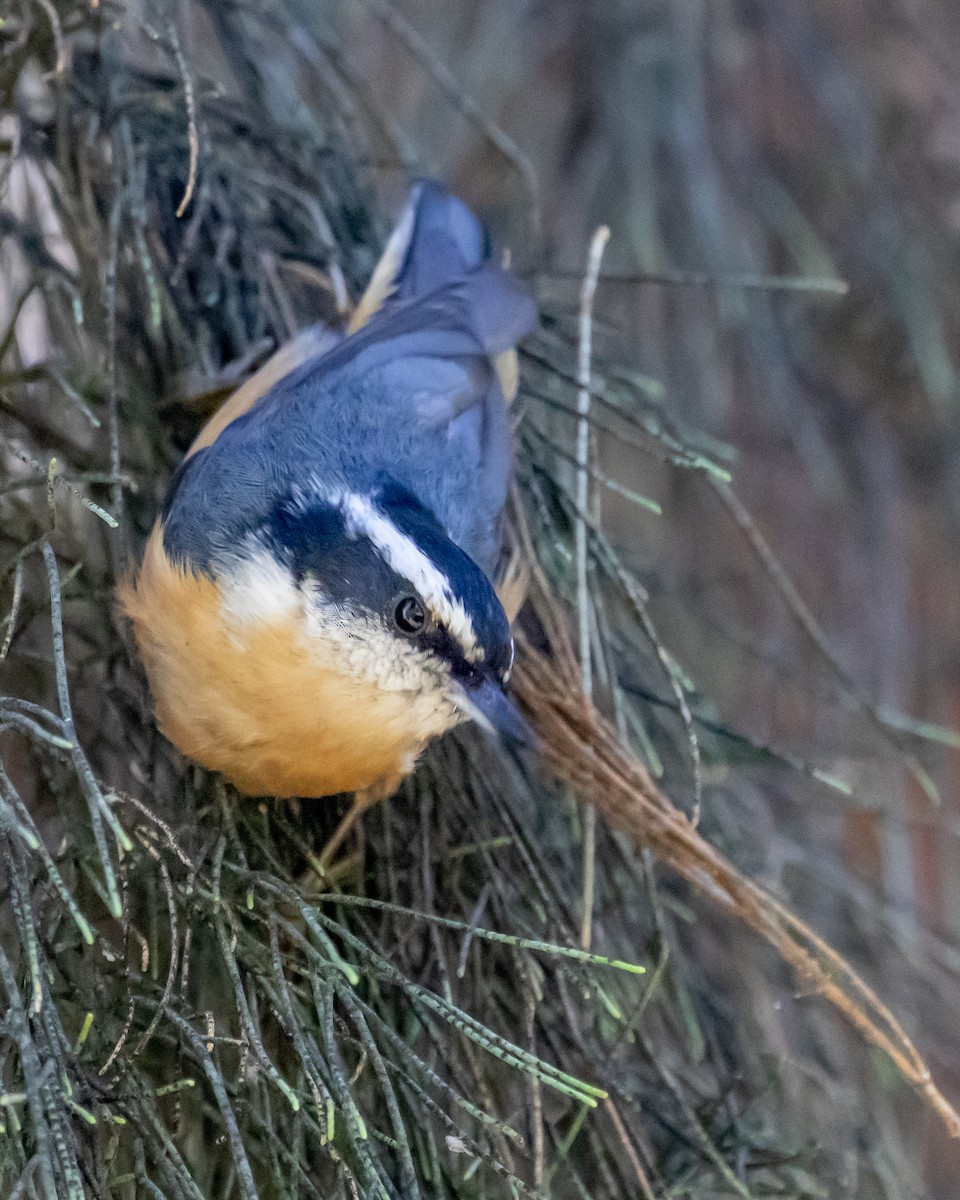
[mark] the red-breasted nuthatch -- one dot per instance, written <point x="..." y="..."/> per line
<point x="315" y="601"/>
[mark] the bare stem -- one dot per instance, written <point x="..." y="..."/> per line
<point x="587" y="292"/>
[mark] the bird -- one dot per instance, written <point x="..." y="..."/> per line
<point x="316" y="601"/>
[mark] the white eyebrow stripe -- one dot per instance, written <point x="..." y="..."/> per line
<point x="404" y="556"/>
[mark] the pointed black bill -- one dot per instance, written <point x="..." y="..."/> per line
<point x="496" y="713"/>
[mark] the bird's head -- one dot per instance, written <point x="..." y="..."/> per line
<point x="388" y="600"/>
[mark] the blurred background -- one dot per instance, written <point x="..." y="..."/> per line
<point x="805" y="139"/>
<point x="781" y="181"/>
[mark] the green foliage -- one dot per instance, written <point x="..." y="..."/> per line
<point x="194" y="1008"/>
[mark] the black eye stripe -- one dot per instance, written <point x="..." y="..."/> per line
<point x="350" y="572"/>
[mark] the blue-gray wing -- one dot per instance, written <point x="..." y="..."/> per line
<point x="412" y="397"/>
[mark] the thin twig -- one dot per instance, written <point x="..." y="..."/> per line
<point x="168" y="986"/>
<point x="587" y="292"/>
<point x="113" y="416"/>
<point x="97" y="805"/>
<point x="51" y="506"/>
<point x="59" y="481"/>
<point x="536" y="1093"/>
<point x="11" y="617"/>
<point x="189" y="96"/>
<point x="643" y="1182"/>
<point x="743" y="280"/>
<point x="54" y="18"/>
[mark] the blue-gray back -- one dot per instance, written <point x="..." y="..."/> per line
<point x="412" y="398"/>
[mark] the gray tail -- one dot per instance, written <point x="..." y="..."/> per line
<point x="439" y="254"/>
<point x="445" y="242"/>
<point x="447" y="247"/>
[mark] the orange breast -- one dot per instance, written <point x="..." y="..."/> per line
<point x="258" y="704"/>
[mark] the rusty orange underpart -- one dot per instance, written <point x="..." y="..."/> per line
<point x="259" y="707"/>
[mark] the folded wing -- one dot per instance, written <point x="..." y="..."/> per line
<point x="414" y="396"/>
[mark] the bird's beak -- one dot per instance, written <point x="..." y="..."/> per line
<point x="495" y="712"/>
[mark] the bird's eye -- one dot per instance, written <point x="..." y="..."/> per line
<point x="409" y="615"/>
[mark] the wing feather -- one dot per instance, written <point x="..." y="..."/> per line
<point x="417" y="394"/>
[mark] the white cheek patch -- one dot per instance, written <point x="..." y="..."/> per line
<point x="257" y="587"/>
<point x="364" y="651"/>
<point x="363" y="648"/>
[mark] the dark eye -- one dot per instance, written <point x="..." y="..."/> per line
<point x="409" y="615"/>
